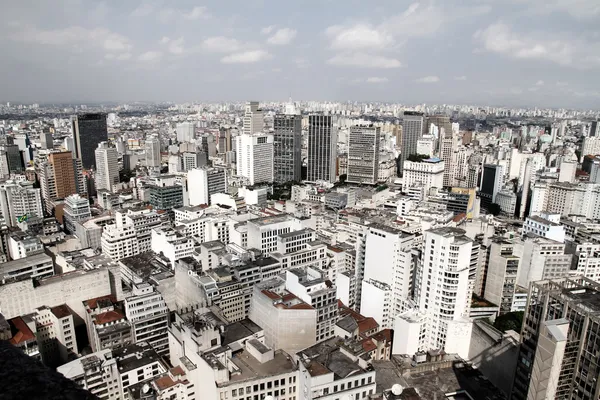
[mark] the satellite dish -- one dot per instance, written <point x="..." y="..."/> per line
<point x="146" y="388"/>
<point x="397" y="389"/>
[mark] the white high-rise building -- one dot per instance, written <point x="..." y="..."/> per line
<point x="255" y="157"/>
<point x="590" y="146"/>
<point x="363" y="154"/>
<point x="76" y="209"/>
<point x="185" y="132"/>
<point x="148" y="314"/>
<point x="253" y="119"/>
<point x="152" y="150"/>
<point x="18" y="200"/>
<point x="203" y="183"/>
<point x="322" y="149"/>
<point x="107" y="172"/>
<point x="429" y="173"/>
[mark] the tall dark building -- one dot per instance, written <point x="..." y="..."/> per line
<point x="595" y="129"/>
<point x="15" y="159"/>
<point x="491" y="183"/>
<point x="412" y="130"/>
<point x="287" y="146"/>
<point x="322" y="148"/>
<point x="89" y="130"/>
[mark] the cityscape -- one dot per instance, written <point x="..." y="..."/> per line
<point x="269" y="247"/>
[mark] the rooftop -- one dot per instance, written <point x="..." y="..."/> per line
<point x="25" y="262"/>
<point x="61" y="311"/>
<point x="20" y="331"/>
<point x="240" y="330"/>
<point x="270" y="220"/>
<point x="135" y="356"/>
<point x="325" y="357"/>
<point x="251" y="368"/>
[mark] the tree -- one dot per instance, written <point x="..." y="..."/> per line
<point x="417" y="157"/>
<point x="509" y="321"/>
<point x="494" y="209"/>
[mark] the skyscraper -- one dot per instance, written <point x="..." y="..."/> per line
<point x="412" y="130"/>
<point x="595" y="129"/>
<point x="107" y="169"/>
<point x="322" y="148"/>
<point x="185" y="132"/>
<point x="18" y="199"/>
<point x="152" y="150"/>
<point x="14" y="158"/>
<point x="88" y="131"/>
<point x="60" y="177"/>
<point x="363" y="154"/>
<point x="204" y="182"/>
<point x="255" y="157"/>
<point x="253" y="119"/>
<point x="491" y="183"/>
<point x="446" y="144"/>
<point x="287" y="143"/>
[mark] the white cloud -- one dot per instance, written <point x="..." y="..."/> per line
<point x="267" y="29"/>
<point x="176" y="46"/>
<point x="562" y="84"/>
<point x="539" y="83"/>
<point x="143" y="10"/>
<point x="164" y="40"/>
<point x="221" y="44"/>
<point x="562" y="49"/>
<point x="245" y="57"/>
<point x="358" y="36"/>
<point x="282" y="36"/>
<point x="580" y="9"/>
<point x="375" y="79"/>
<point x="363" y="60"/>
<point x="150" y="56"/>
<point x="167" y="15"/>
<point x="460" y="78"/>
<point x="428" y="79"/>
<point x="197" y="13"/>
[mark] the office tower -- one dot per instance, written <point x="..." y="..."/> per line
<point x="322" y="148"/>
<point x="208" y="145"/>
<point x="443" y="288"/>
<point x="224" y="140"/>
<point x="590" y="146"/>
<point x="595" y="129"/>
<point x="76" y="209"/>
<point x="20" y="201"/>
<point x="107" y="167"/>
<point x="560" y="342"/>
<point x="152" y="150"/>
<point x="185" y="132"/>
<point x="363" y="154"/>
<point x="148" y="314"/>
<point x="14" y="159"/>
<point x="412" y="130"/>
<point x="60" y="177"/>
<point x="255" y="157"/>
<point x="46" y="140"/>
<point x="491" y="183"/>
<point x="191" y="161"/>
<point x="287" y="147"/>
<point x="204" y="182"/>
<point x="428" y="173"/>
<point x="89" y="130"/>
<point x="253" y="119"/>
<point x="501" y="274"/>
<point x="446" y="144"/>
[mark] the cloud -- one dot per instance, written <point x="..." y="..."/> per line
<point x="302" y="63"/>
<point x="221" y="44"/>
<point x="143" y="10"/>
<point x="267" y="29"/>
<point x="246" y="57"/>
<point x="174" y="46"/>
<point x="363" y="60"/>
<point x="357" y="37"/>
<point x="579" y="9"/>
<point x="428" y="79"/>
<point x="375" y="79"/>
<point x="196" y="13"/>
<point x="460" y="78"/>
<point x="167" y="15"/>
<point x="562" y="49"/>
<point x="124" y="56"/>
<point x="150" y="56"/>
<point x="282" y="36"/>
<point x="562" y="84"/>
<point x="539" y="83"/>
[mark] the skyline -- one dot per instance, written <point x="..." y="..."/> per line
<point x="185" y="51"/>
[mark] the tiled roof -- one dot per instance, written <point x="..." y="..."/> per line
<point x="21" y="332"/>
<point x="107" y="317"/>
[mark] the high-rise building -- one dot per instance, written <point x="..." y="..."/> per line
<point x="255" y="157"/>
<point x="491" y="183"/>
<point x="89" y="130"/>
<point x="13" y="158"/>
<point x="60" y="177"/>
<point x="447" y="144"/>
<point x="191" y="161"/>
<point x="186" y="132"/>
<point x="152" y="150"/>
<point x="46" y="140"/>
<point x="412" y="130"/>
<point x="287" y="144"/>
<point x="363" y="154"/>
<point x="595" y="129"/>
<point x="590" y="146"/>
<point x="76" y="209"/>
<point x="428" y="173"/>
<point x="148" y="315"/>
<point x="107" y="167"/>
<point x="20" y="200"/>
<point x="322" y="148"/>
<point x="203" y="183"/>
<point x="501" y="274"/>
<point x="560" y="341"/>
<point x="253" y="119"/>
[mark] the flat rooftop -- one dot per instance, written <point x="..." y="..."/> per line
<point x="251" y="368"/>
<point x="25" y="262"/>
<point x="326" y="357"/>
<point x="144" y="264"/>
<point x="270" y="220"/>
<point x="239" y="330"/>
<point x="135" y="356"/>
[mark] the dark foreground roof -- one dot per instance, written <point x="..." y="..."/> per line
<point x="22" y="377"/>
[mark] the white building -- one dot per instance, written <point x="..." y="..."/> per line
<point x="185" y="132"/>
<point x="590" y="146"/>
<point x="363" y="155"/>
<point x="35" y="266"/>
<point x="130" y="234"/>
<point x="55" y="334"/>
<point x="255" y="158"/>
<point x="107" y="167"/>
<point x="502" y="273"/>
<point x="76" y="209"/>
<point x="203" y="183"/>
<point x="507" y="200"/>
<point x="171" y="244"/>
<point x="546" y="225"/>
<point x="429" y="173"/>
<point x="253" y="121"/>
<point x="542" y="259"/>
<point x="19" y="199"/>
<point x="152" y="150"/>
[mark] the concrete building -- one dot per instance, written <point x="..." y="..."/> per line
<point x="203" y="183"/>
<point x="130" y="234"/>
<point x="546" y="225"/>
<point x="287" y="143"/>
<point x="253" y="121"/>
<point x="507" y="200"/>
<point x="21" y="245"/>
<point x="255" y="158"/>
<point x="363" y="155"/>
<point x="171" y="244"/>
<point x="429" y="173"/>
<point x="501" y="274"/>
<point x="18" y="201"/>
<point x="152" y="151"/>
<point x="447" y="144"/>
<point x="89" y="130"/>
<point x="148" y="315"/>
<point x="107" y="325"/>
<point x="55" y="330"/>
<point x="76" y="209"/>
<point x="107" y="168"/>
<point x="491" y="183"/>
<point x="289" y="323"/>
<point x="185" y="132"/>
<point x="24" y="268"/>
<point x="590" y="146"/>
<point x="542" y="259"/>
<point x="322" y="148"/>
<point x="559" y="341"/>
<point x="413" y="126"/>
<point x="60" y="177"/>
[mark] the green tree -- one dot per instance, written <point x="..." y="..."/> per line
<point x="494" y="209"/>
<point x="509" y="321"/>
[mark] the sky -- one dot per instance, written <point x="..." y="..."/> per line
<point x="542" y="53"/>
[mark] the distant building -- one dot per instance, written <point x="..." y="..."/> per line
<point x="491" y="184"/>
<point x="363" y="155"/>
<point x="107" y="168"/>
<point x="428" y="172"/>
<point x="152" y="150"/>
<point x="322" y="148"/>
<point x="413" y="126"/>
<point x="287" y="143"/>
<point x="89" y="130"/>
<point x="255" y="158"/>
<point x="203" y="183"/>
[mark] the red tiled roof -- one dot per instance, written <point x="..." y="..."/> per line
<point x="93" y="303"/>
<point x="177" y="371"/>
<point x="459" y="217"/>
<point x="302" y="306"/>
<point x="316" y="369"/>
<point x="368" y="345"/>
<point x="164" y="382"/>
<point x="109" y="316"/>
<point x="61" y="311"/>
<point x="271" y="295"/>
<point x="383" y="335"/>
<point x="22" y="333"/>
<point x="335" y="249"/>
<point x="367" y="325"/>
